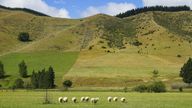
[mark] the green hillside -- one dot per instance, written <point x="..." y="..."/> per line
<point x="98" y="51"/>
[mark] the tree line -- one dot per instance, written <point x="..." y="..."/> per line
<point x="44" y="79"/>
<point x="153" y="8"/>
<point x="25" y="10"/>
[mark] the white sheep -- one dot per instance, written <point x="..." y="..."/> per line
<point x="87" y="99"/>
<point x="123" y="99"/>
<point x="65" y="99"/>
<point x="97" y="98"/>
<point x="115" y="99"/>
<point x="82" y="99"/>
<point x="74" y="99"/>
<point x="60" y="99"/>
<point x="94" y="100"/>
<point x="109" y="99"/>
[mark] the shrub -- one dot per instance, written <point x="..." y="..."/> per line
<point x="179" y="56"/>
<point x="157" y="87"/>
<point x="137" y="43"/>
<point x="67" y="83"/>
<point x="181" y="89"/>
<point x="103" y="47"/>
<point x="24" y="37"/>
<point x="125" y="89"/>
<point x="19" y="83"/>
<point x="140" y="88"/>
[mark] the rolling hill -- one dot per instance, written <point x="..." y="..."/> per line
<point x="101" y="50"/>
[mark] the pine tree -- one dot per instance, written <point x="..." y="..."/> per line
<point x="2" y="72"/>
<point x="51" y="74"/>
<point x="186" y="71"/>
<point x="23" y="69"/>
<point x="34" y="80"/>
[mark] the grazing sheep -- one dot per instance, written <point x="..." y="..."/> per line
<point x="94" y="100"/>
<point x="87" y="99"/>
<point x="123" y="99"/>
<point x="115" y="99"/>
<point x="109" y="99"/>
<point x="82" y="99"/>
<point x="74" y="99"/>
<point x="60" y="99"/>
<point x="97" y="98"/>
<point x="65" y="99"/>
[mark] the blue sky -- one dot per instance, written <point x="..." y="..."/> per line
<point x="76" y="7"/>
<point x="85" y="8"/>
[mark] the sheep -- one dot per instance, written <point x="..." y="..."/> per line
<point x="94" y="100"/>
<point x="74" y="99"/>
<point x="115" y="99"/>
<point x="65" y="99"/>
<point x="109" y="99"/>
<point x="86" y="99"/>
<point x="82" y="99"/>
<point x="97" y="98"/>
<point x="123" y="99"/>
<point x="60" y="99"/>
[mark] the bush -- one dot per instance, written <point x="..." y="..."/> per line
<point x="181" y="89"/>
<point x="157" y="87"/>
<point x="24" y="37"/>
<point x="137" y="43"/>
<point x="179" y="56"/>
<point x="67" y="83"/>
<point x="19" y="83"/>
<point x="125" y="89"/>
<point x="140" y="88"/>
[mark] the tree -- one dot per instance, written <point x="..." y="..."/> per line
<point x="155" y="74"/>
<point x="67" y="83"/>
<point x="153" y="8"/>
<point x="43" y="79"/>
<point x="186" y="71"/>
<point x="19" y="83"/>
<point x="2" y="72"/>
<point x="34" y="80"/>
<point x="51" y="75"/>
<point x="24" y="37"/>
<point x="23" y="69"/>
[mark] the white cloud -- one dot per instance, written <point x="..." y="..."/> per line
<point x="110" y="8"/>
<point x="167" y="2"/>
<point x="38" y="5"/>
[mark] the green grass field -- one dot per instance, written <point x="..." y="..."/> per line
<point x="29" y="99"/>
<point x="61" y="63"/>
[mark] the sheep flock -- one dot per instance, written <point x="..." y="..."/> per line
<point x="93" y="100"/>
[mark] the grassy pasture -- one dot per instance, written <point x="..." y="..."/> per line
<point x="61" y="61"/>
<point x="30" y="99"/>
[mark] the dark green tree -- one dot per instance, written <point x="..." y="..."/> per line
<point x="19" y="83"/>
<point x="2" y="72"/>
<point x="153" y="8"/>
<point x="186" y="71"/>
<point x="43" y="79"/>
<point x="67" y="83"/>
<point x="24" y="37"/>
<point x="23" y="69"/>
<point x="51" y="79"/>
<point x="34" y="80"/>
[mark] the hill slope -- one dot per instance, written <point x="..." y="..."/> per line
<point x="113" y="51"/>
